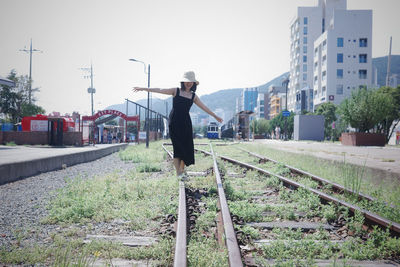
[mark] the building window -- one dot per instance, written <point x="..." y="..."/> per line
<point x="340" y="42"/>
<point x="363" y="58"/>
<point x="339" y="73"/>
<point x="304" y="40"/>
<point x="339" y="89"/>
<point x="304" y="77"/>
<point x="323" y="60"/>
<point x="304" y="58"/>
<point x="305" y="30"/>
<point x="362" y="74"/>
<point x="305" y="49"/>
<point x="304" y="67"/>
<point x="324" y="45"/>
<point x="339" y="58"/>
<point x="363" y="42"/>
<point x="315" y="79"/>
<point x="316" y="50"/>
<point x="305" y="20"/>
<point x="323" y="88"/>
<point x="324" y="75"/>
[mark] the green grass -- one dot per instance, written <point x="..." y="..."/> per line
<point x="305" y="250"/>
<point x="12" y="143"/>
<point x="356" y="178"/>
<point x="135" y="198"/>
<point x="203" y="249"/>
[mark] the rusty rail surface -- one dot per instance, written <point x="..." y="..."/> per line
<point x="371" y="217"/>
<point x="234" y="256"/>
<point x="180" y="259"/>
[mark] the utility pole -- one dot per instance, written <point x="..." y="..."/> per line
<point x="30" y="51"/>
<point x="286" y="83"/>
<point x="388" y="64"/>
<point x="90" y="90"/>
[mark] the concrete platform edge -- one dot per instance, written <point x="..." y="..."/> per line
<point x="12" y="172"/>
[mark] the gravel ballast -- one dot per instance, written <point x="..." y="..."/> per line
<point x="24" y="203"/>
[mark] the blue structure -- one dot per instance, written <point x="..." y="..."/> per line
<point x="213" y="131"/>
<point x="249" y="96"/>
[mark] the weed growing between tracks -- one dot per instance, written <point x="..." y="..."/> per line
<point x="140" y="200"/>
<point x="291" y="247"/>
<point x="203" y="248"/>
<point x="353" y="177"/>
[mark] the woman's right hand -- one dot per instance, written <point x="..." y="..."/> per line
<point x="138" y="89"/>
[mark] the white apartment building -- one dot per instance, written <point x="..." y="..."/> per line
<point x="261" y="105"/>
<point x="342" y="56"/>
<point x="310" y="25"/>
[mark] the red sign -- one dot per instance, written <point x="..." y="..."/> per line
<point x="110" y="112"/>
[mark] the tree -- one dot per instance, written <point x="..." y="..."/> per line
<point x="14" y="102"/>
<point x="328" y="110"/>
<point x="391" y="119"/>
<point x="279" y="121"/>
<point x="263" y="126"/>
<point x="31" y="110"/>
<point x="369" y="110"/>
<point x="254" y="126"/>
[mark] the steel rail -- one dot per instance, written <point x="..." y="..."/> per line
<point x="335" y="186"/>
<point x="204" y="144"/>
<point x="314" y="177"/>
<point x="372" y="217"/>
<point x="234" y="257"/>
<point x="180" y="259"/>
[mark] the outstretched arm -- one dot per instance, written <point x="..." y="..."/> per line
<point x="170" y="91"/>
<point x="201" y="105"/>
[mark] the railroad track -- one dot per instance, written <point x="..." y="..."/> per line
<point x="337" y="188"/>
<point x="226" y="224"/>
<point x="335" y="227"/>
<point x="243" y="248"/>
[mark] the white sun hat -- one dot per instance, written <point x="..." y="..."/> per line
<point x="190" y="77"/>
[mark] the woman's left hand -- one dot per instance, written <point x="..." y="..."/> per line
<point x="219" y="119"/>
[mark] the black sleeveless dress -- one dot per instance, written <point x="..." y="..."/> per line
<point x="180" y="128"/>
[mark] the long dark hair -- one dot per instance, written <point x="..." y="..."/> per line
<point x="193" y="88"/>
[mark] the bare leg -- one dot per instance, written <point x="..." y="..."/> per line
<point x="177" y="165"/>
<point x="182" y="166"/>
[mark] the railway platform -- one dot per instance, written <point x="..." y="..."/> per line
<point x="18" y="162"/>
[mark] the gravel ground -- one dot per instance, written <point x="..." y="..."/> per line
<point x="24" y="202"/>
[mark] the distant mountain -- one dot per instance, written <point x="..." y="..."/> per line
<point x="381" y="64"/>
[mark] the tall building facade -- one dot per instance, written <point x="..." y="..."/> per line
<point x="249" y="98"/>
<point x="321" y="55"/>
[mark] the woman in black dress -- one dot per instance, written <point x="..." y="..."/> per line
<point x="180" y="124"/>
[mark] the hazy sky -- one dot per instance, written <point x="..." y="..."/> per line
<point x="228" y="43"/>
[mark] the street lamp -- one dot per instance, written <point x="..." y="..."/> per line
<point x="148" y="98"/>
<point x="285" y="83"/>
